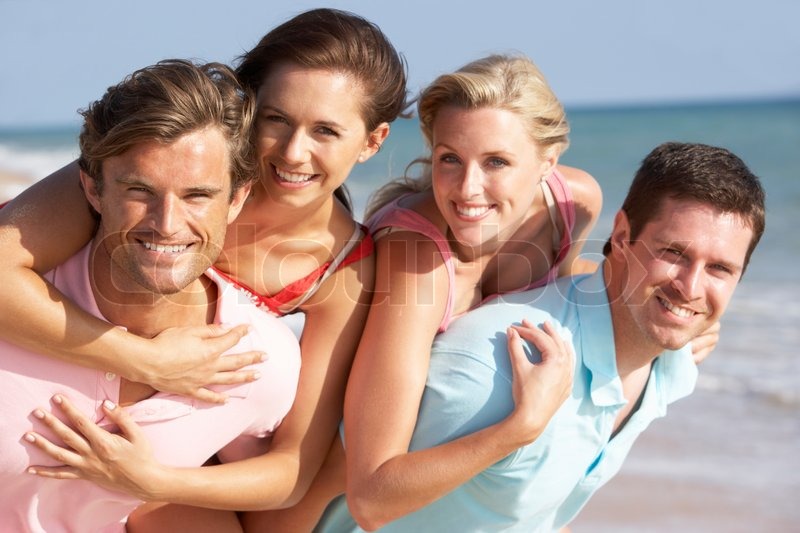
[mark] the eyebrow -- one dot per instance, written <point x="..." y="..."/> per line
<point x="204" y="189"/>
<point x="682" y="245"/>
<point x="326" y="123"/>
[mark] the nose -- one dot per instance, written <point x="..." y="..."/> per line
<point x="471" y="181"/>
<point x="296" y="148"/>
<point x="166" y="216"/>
<point x="688" y="281"/>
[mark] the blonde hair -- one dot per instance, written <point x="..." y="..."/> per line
<point x="512" y="83"/>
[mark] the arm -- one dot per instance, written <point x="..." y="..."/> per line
<point x="384" y="480"/>
<point x="276" y="479"/>
<point x="588" y="200"/>
<point x="42" y="228"/>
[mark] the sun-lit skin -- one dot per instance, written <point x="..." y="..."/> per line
<point x="485" y="171"/>
<point x="165" y="209"/>
<point x="678" y="275"/>
<point x="310" y="133"/>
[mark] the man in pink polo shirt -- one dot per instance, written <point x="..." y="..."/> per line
<point x="166" y="163"/>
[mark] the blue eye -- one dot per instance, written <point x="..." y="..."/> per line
<point x="328" y="131"/>
<point x="497" y="162"/>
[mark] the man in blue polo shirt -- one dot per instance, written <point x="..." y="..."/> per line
<point x="678" y="248"/>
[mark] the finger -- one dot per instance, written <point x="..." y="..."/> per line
<point x="67" y="435"/>
<point x="86" y="427"/>
<point x="208" y="396"/>
<point x="128" y="428"/>
<point x="227" y="331"/>
<point x="217" y="345"/>
<point x="58" y="453"/>
<point x="54" y="472"/>
<point x="234" y="378"/>
<point x="562" y="348"/>
<point x="239" y="361"/>
<point x="543" y="342"/>
<point x="516" y="352"/>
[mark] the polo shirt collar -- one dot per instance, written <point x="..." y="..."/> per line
<point x="597" y="339"/>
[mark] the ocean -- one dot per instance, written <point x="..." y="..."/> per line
<point x="728" y="457"/>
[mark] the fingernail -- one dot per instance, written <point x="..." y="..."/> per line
<point x="38" y="413"/>
<point x="29" y="437"/>
<point x="58" y="399"/>
<point x="263" y="357"/>
<point x="31" y="470"/>
<point x="109" y="405"/>
<point x="256" y="375"/>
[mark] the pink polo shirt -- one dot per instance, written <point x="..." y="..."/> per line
<point x="182" y="431"/>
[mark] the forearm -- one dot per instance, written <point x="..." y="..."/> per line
<point x="38" y="317"/>
<point x="264" y="482"/>
<point x="40" y="229"/>
<point x="408" y="482"/>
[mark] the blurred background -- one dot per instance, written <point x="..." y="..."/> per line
<point x="631" y="74"/>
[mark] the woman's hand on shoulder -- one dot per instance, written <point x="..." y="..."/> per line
<point x="187" y="360"/>
<point x="121" y="462"/>
<point x="540" y="388"/>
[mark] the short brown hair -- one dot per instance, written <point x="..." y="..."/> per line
<point x="163" y="102"/>
<point x="699" y="172"/>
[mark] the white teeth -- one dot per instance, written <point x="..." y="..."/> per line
<point x="675" y="310"/>
<point x="472" y="212"/>
<point x="293" y="177"/>
<point x="169" y="249"/>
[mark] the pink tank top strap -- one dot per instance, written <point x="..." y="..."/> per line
<point x="560" y="204"/>
<point x="394" y="217"/>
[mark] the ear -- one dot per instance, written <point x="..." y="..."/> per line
<point x="620" y="233"/>
<point x="550" y="161"/>
<point x="239" y="198"/>
<point x="89" y="186"/>
<point x="374" y="141"/>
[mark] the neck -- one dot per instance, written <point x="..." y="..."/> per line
<point x="144" y="312"/>
<point x="278" y="218"/>
<point x="633" y="350"/>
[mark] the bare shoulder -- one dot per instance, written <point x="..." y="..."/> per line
<point x="585" y="190"/>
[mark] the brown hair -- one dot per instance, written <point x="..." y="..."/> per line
<point x="335" y="41"/>
<point x="163" y="102"/>
<point x="689" y="171"/>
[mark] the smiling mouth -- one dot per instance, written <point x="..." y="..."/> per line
<point x="165" y="248"/>
<point x="293" y="177"/>
<point x="472" y="211"/>
<point x="675" y="309"/>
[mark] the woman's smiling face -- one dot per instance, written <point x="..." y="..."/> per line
<point x="311" y="132"/>
<point x="486" y="171"/>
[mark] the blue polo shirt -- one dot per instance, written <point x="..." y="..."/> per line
<point x="542" y="486"/>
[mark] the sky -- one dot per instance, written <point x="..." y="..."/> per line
<point x="57" y="56"/>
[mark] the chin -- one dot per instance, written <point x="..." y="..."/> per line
<point x="674" y="342"/>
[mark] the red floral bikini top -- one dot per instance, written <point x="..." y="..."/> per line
<point x="359" y="246"/>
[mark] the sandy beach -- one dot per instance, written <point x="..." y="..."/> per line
<point x="684" y="476"/>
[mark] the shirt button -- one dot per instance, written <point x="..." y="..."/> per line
<point x="110" y="376"/>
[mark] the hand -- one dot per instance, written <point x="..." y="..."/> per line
<point x="188" y="359"/>
<point x="118" y="462"/>
<point x="539" y="389"/>
<point x="704" y="343"/>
